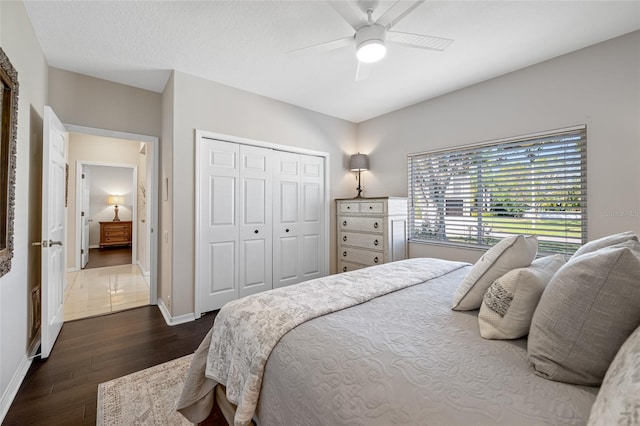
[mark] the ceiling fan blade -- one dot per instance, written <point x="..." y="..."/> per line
<point x="397" y="13"/>
<point x="325" y="47"/>
<point x="346" y="10"/>
<point x="419" y="41"/>
<point x="363" y="71"/>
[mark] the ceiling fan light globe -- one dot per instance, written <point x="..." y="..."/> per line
<point x="371" y="51"/>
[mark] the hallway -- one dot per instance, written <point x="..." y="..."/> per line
<point x="101" y="291"/>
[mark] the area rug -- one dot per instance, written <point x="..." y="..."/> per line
<point x="146" y="397"/>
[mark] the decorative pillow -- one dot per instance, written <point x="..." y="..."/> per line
<point x="589" y="308"/>
<point x="509" y="253"/>
<point x="618" y="401"/>
<point x="603" y="242"/>
<point x="508" y="306"/>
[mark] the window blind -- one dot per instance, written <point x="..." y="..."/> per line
<point x="479" y="194"/>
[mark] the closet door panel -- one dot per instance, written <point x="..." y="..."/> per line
<point x="218" y="247"/>
<point x="313" y="211"/>
<point x="287" y="266"/>
<point x="255" y="220"/>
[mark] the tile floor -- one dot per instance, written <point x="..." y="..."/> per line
<point x="103" y="290"/>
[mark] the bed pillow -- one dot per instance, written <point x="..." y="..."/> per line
<point x="589" y="308"/>
<point x="508" y="305"/>
<point x="603" y="242"/>
<point x="509" y="253"/>
<point x="618" y="401"/>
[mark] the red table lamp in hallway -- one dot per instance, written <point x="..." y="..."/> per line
<point x="114" y="200"/>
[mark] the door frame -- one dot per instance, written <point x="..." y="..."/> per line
<point x="203" y="134"/>
<point x="152" y="194"/>
<point x="134" y="210"/>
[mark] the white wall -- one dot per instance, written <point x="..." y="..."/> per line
<point x="106" y="181"/>
<point x="21" y="46"/>
<point x="205" y="105"/>
<point x="598" y="86"/>
<point x="89" y="148"/>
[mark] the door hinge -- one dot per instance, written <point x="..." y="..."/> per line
<point x="81" y="214"/>
<point x="83" y="176"/>
<point x="81" y="251"/>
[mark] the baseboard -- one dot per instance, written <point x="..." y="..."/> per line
<point x="94" y="246"/>
<point x="142" y="271"/>
<point x="14" y="385"/>
<point x="181" y="319"/>
<point x="72" y="269"/>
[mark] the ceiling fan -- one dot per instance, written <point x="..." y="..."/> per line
<point x="370" y="37"/>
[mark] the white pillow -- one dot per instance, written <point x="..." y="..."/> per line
<point x="513" y="252"/>
<point x="508" y="305"/>
<point x="603" y="242"/>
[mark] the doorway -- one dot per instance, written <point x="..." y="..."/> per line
<point x="110" y="265"/>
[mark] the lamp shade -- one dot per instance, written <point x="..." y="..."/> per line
<point x="115" y="200"/>
<point x="359" y="162"/>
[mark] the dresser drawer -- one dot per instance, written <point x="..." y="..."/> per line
<point x="349" y="207"/>
<point x="348" y="266"/>
<point x="368" y="241"/>
<point x="374" y="207"/>
<point x="366" y="257"/>
<point x="116" y="228"/>
<point x="366" y="224"/>
<point x="117" y="234"/>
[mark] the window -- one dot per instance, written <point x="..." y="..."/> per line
<point x="479" y="194"/>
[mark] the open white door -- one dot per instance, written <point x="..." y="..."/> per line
<point x="53" y="229"/>
<point x="84" y="217"/>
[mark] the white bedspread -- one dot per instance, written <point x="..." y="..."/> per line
<point x="246" y="330"/>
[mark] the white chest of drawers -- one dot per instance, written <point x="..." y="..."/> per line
<point x="371" y="231"/>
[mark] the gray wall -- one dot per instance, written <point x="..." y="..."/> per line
<point x="598" y="86"/>
<point x="20" y="44"/>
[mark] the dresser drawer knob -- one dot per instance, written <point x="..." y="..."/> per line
<point x="344" y="254"/>
<point x="344" y="238"/>
<point x="375" y="259"/>
<point x="344" y="223"/>
<point x="286" y="230"/>
<point x="375" y="225"/>
<point x="370" y="207"/>
<point x="256" y="231"/>
<point x="348" y="207"/>
<point x="344" y="269"/>
<point x="375" y="243"/>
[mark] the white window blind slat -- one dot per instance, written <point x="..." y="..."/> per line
<point x="476" y="195"/>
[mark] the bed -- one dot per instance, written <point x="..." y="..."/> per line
<point x="401" y="356"/>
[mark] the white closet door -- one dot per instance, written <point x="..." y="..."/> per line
<point x="219" y="240"/>
<point x="312" y="213"/>
<point x="287" y="247"/>
<point x="255" y="220"/>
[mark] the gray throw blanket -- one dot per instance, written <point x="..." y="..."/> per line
<point x="235" y="351"/>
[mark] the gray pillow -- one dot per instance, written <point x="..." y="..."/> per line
<point x="603" y="242"/>
<point x="618" y="401"/>
<point x="508" y="306"/>
<point x="589" y="308"/>
<point x="509" y="253"/>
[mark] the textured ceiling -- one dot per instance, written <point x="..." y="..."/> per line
<point x="244" y="43"/>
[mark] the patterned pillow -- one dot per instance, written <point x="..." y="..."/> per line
<point x="508" y="306"/>
<point x="509" y="253"/>
<point x="587" y="311"/>
<point x="618" y="401"/>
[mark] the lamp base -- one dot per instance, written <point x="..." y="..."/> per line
<point x="359" y="188"/>
<point x="116" y="218"/>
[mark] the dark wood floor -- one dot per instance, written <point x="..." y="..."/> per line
<point x="63" y="389"/>
<point x="108" y="256"/>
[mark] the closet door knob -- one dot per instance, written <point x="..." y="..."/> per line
<point x="344" y="269"/>
<point x="286" y="230"/>
<point x="344" y="254"/>
<point x="344" y="238"/>
<point x="375" y="243"/>
<point x="344" y="223"/>
<point x="375" y="259"/>
<point x="375" y="225"/>
<point x="256" y="231"/>
<point x="370" y="207"/>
